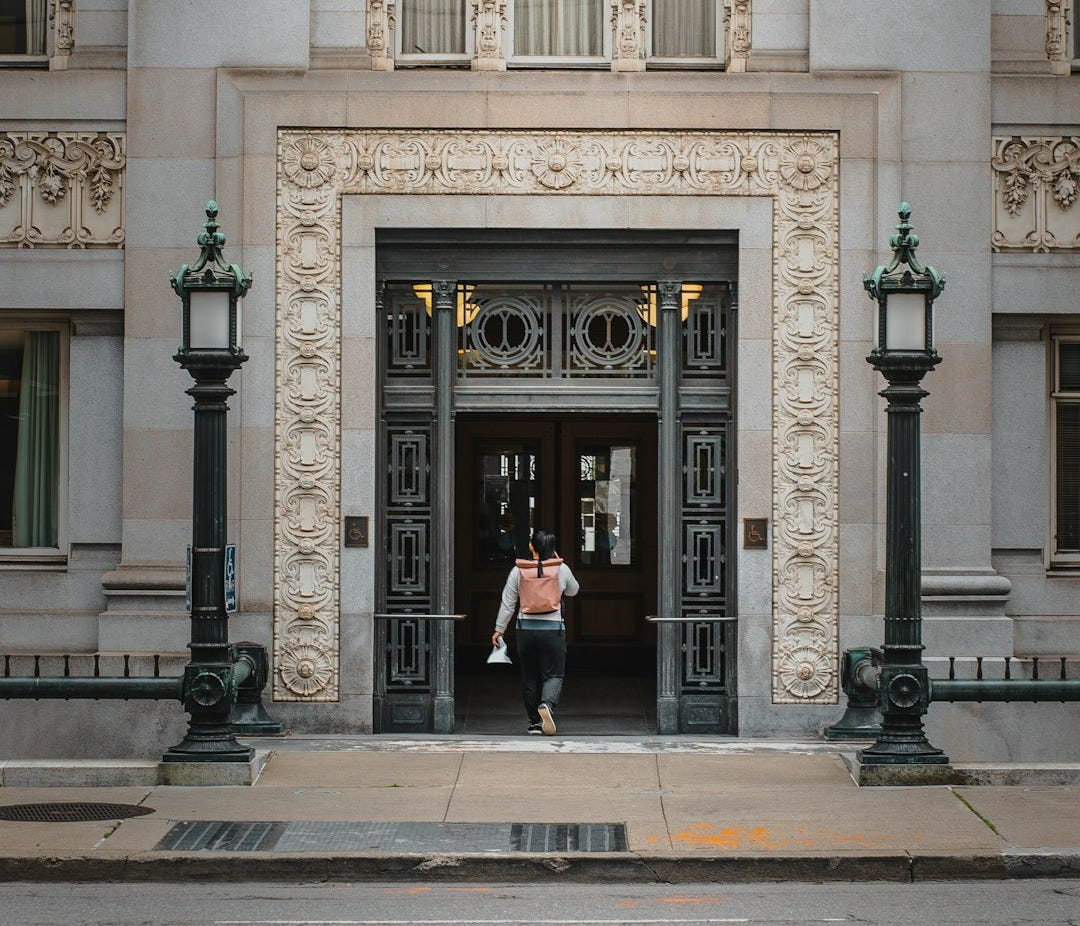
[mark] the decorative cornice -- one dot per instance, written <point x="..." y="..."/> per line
<point x="1036" y="185"/>
<point x="62" y="189"/>
<point x="799" y="172"/>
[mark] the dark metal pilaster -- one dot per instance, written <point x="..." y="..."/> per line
<point x="668" y="651"/>
<point x="444" y="293"/>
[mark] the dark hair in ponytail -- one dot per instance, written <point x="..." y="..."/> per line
<point x="543" y="545"/>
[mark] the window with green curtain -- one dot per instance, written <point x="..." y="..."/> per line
<point x="684" y="28"/>
<point x="30" y="438"/>
<point x="559" y="28"/>
<point x="432" y="27"/>
<point x="1067" y="442"/>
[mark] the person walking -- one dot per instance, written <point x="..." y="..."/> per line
<point x="534" y="591"/>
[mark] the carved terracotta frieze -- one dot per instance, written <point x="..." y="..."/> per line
<point x="800" y="174"/>
<point x="62" y="189"/>
<point x="1036" y="185"/>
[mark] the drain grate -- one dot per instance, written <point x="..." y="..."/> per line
<point x="320" y="836"/>
<point x="568" y="837"/>
<point x="71" y="812"/>
<point x="221" y="836"/>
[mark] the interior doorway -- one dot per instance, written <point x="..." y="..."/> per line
<point x="590" y="480"/>
<point x="547" y="378"/>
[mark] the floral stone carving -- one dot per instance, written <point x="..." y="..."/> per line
<point x="61" y="189"/>
<point x="1036" y="184"/>
<point x="799" y="172"/>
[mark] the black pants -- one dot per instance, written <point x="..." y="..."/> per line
<point x="542" y="658"/>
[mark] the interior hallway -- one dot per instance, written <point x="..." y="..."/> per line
<point x="489" y="702"/>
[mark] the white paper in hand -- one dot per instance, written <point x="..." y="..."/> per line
<point x="500" y="653"/>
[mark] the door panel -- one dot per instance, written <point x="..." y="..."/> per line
<point x="594" y="485"/>
<point x="505" y="488"/>
<point x="608" y="523"/>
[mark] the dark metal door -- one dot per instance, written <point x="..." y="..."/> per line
<point x="592" y="482"/>
<point x="660" y="349"/>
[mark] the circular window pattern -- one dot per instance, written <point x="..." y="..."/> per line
<point x="506" y="334"/>
<point x="608" y="333"/>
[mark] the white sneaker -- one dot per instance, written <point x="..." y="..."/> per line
<point x="547" y="720"/>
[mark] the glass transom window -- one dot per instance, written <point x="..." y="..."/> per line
<point x="559" y="33"/>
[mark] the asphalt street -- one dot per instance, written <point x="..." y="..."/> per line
<point x="995" y="903"/>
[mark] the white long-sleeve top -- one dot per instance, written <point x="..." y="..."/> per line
<point x="568" y="587"/>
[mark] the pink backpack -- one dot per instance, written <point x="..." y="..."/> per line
<point x="539" y="594"/>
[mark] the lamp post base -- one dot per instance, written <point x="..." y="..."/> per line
<point x="914" y="752"/>
<point x="209" y="747"/>
<point x="924" y="775"/>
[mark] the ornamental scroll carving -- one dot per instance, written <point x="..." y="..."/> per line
<point x="61" y="189"/>
<point x="798" y="172"/>
<point x="489" y="20"/>
<point x="380" y="34"/>
<point x="1058" y="20"/>
<point x="628" y="25"/>
<point x="1036" y="186"/>
<point x="62" y="16"/>
<point x="738" y="19"/>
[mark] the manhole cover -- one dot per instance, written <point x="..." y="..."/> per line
<point x="71" y="812"/>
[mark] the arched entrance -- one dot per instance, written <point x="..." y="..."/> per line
<point x="578" y="381"/>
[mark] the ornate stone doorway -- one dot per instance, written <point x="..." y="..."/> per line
<point x="797" y="173"/>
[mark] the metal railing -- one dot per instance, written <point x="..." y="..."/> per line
<point x="250" y="670"/>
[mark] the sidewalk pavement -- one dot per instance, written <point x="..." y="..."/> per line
<point x="374" y="808"/>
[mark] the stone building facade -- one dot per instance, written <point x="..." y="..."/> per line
<point x="747" y="171"/>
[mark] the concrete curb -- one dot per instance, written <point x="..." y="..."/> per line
<point x="621" y="868"/>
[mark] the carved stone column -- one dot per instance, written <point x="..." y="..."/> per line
<point x="737" y="19"/>
<point x="628" y="35"/>
<point x="380" y="34"/>
<point x="62" y="17"/>
<point x="489" y="20"/>
<point x="1058" y="17"/>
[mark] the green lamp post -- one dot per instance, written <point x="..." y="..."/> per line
<point x="211" y="291"/>
<point x="904" y="353"/>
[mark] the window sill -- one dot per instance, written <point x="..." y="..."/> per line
<point x="37" y="559"/>
<point x="24" y="61"/>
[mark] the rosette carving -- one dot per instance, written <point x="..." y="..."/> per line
<point x="61" y="189"/>
<point x="798" y="171"/>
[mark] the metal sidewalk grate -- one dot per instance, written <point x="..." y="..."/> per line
<point x="71" y="812"/>
<point x="568" y="837"/>
<point x="317" y="836"/>
<point x="221" y="836"/>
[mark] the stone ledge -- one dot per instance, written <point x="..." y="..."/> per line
<point x="128" y="773"/>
